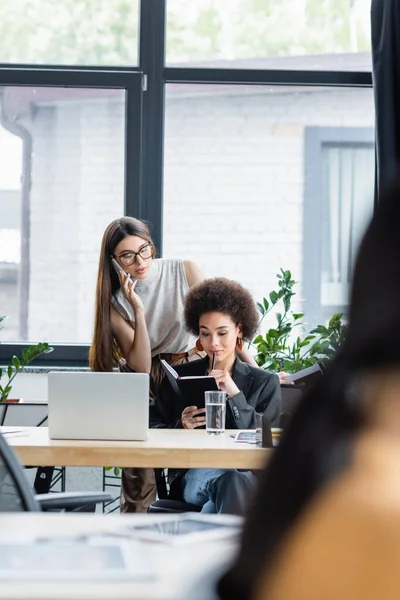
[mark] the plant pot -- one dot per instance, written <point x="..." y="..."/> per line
<point x="10" y="400"/>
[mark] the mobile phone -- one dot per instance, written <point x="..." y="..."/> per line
<point x="118" y="267"/>
<point x="119" y="270"/>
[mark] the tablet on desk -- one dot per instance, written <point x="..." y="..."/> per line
<point x="190" y="528"/>
<point x="250" y="436"/>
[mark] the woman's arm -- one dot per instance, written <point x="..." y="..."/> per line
<point x="194" y="274"/>
<point x="133" y="343"/>
<point x="265" y="399"/>
<point x="246" y="356"/>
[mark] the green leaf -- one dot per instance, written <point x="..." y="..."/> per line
<point x="16" y="362"/>
<point x="262" y="344"/>
<point x="286" y="302"/>
<point x="335" y="319"/>
<point x="9" y="371"/>
<point x="261" y="308"/>
<point x="266" y="304"/>
<point x="4" y="392"/>
<point x="32" y="352"/>
<point x="274" y="297"/>
<point x="321" y="330"/>
<point x="297" y="316"/>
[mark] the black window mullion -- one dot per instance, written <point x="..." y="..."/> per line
<point x="268" y="76"/>
<point x="133" y="148"/>
<point x="151" y="61"/>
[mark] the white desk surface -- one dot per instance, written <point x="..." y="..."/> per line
<point x="177" y="568"/>
<point x="173" y="448"/>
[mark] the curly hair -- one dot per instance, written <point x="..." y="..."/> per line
<point x="224" y="296"/>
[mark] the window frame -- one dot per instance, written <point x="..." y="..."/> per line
<point x="314" y="140"/>
<point x="132" y="83"/>
<point x="144" y="183"/>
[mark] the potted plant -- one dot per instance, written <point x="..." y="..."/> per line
<point x="17" y="365"/>
<point x="280" y="349"/>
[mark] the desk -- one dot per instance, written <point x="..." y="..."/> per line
<point x="177" y="568"/>
<point x="173" y="448"/>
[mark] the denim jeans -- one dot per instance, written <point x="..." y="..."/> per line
<point x="218" y="490"/>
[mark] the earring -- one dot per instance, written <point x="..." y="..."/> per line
<point x="239" y="344"/>
<point x="199" y="346"/>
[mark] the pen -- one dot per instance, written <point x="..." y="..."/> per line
<point x="213" y="361"/>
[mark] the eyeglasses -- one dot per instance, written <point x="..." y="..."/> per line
<point x="129" y="258"/>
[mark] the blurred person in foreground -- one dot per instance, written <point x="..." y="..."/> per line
<point x="326" y="520"/>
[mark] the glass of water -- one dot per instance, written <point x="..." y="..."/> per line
<point x="259" y="428"/>
<point x="215" y="412"/>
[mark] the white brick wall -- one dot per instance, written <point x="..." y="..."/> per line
<point x="78" y="175"/>
<point x="234" y="176"/>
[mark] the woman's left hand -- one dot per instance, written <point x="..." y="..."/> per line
<point x="282" y="378"/>
<point x="225" y="382"/>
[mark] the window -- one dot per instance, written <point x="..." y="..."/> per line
<point x="256" y="34"/>
<point x="63" y="150"/>
<point x="339" y="203"/>
<point x="226" y="128"/>
<point x="10" y="219"/>
<point x="69" y="32"/>
<point x="234" y="193"/>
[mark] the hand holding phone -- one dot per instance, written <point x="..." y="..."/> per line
<point x="128" y="286"/>
<point x="117" y="267"/>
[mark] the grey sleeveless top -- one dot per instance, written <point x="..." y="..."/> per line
<point x="162" y="294"/>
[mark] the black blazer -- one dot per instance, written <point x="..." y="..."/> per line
<point x="259" y="392"/>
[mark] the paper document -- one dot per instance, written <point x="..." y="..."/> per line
<point x="12" y="431"/>
<point x="75" y="559"/>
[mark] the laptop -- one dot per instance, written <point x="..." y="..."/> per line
<point x="98" y="406"/>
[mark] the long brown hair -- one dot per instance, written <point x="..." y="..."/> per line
<point x="104" y="353"/>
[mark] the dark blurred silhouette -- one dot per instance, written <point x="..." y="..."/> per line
<point x="354" y="409"/>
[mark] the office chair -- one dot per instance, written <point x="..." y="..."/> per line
<point x="17" y="495"/>
<point x="293" y="394"/>
<point x="32" y="414"/>
<point x="169" y="501"/>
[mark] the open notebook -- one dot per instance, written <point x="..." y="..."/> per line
<point x="189" y="389"/>
<point x="307" y="377"/>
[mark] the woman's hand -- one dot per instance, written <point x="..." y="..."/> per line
<point x="128" y="289"/>
<point x="190" y="418"/>
<point x="225" y="382"/>
<point x="282" y="378"/>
